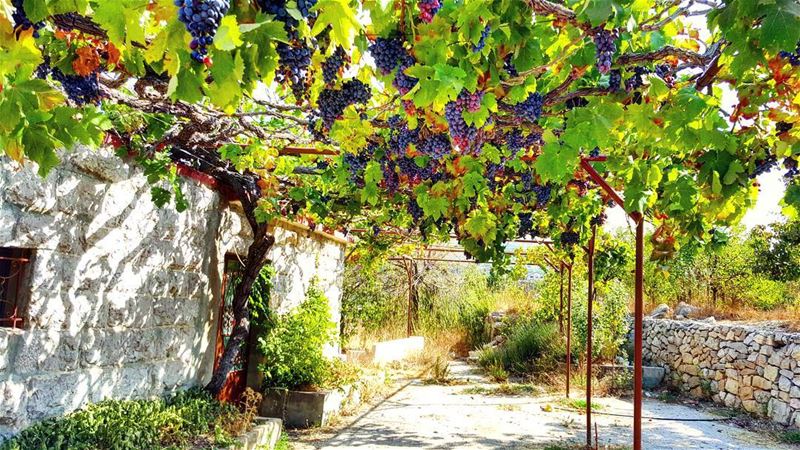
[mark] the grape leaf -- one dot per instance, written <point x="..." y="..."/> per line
<point x="228" y="36"/>
<point x="340" y="16"/>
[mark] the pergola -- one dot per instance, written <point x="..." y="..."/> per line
<point x="638" y="314"/>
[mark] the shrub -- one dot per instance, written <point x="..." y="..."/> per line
<point x="764" y="294"/>
<point x="178" y="422"/>
<point x="531" y="347"/>
<point x="293" y="344"/>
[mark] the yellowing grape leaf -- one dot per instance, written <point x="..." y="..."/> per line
<point x="340" y="16"/>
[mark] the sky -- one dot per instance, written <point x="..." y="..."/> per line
<point x="766" y="211"/>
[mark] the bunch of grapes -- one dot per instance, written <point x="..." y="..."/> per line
<point x="356" y="163"/>
<point x="635" y="81"/>
<point x="387" y="53"/>
<point x="509" y="67"/>
<point x="400" y="137"/>
<point x="21" y="21"/>
<point x="791" y="168"/>
<point x="514" y="141"/>
<point x="278" y="9"/>
<point x="293" y="61"/>
<point x="794" y="58"/>
<point x="595" y="152"/>
<point x="402" y="82"/>
<point x="414" y="173"/>
<point x="605" y="49"/>
<point x="569" y="238"/>
<point x="614" y="80"/>
<point x="599" y="219"/>
<point x="333" y="64"/>
<point x="414" y="210"/>
<point x="664" y="71"/>
<point x="482" y="41"/>
<point x="764" y="165"/>
<point x="428" y="9"/>
<point x="493" y="170"/>
<point x="81" y="90"/>
<point x="531" y="108"/>
<point x="460" y="132"/>
<point x="543" y="193"/>
<point x="332" y="102"/>
<point x="782" y="127"/>
<point x="436" y="146"/>
<point x="470" y="101"/>
<point x="390" y="179"/>
<point x="525" y="224"/>
<point x="202" y="18"/>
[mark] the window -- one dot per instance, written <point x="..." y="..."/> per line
<point x="14" y="279"/>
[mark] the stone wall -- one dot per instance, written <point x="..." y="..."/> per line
<point x="756" y="368"/>
<point x="125" y="296"/>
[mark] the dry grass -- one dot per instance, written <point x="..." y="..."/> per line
<point x="789" y="317"/>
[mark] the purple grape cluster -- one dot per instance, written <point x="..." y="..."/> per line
<point x="387" y="53"/>
<point x="428" y="9"/>
<point x="332" y="102"/>
<point x="460" y="132"/>
<point x="605" y="49"/>
<point x="543" y="194"/>
<point x="793" y="58"/>
<point x="356" y="163"/>
<point x="400" y="137"/>
<point x="614" y="80"/>
<point x="525" y="224"/>
<point x="783" y="127"/>
<point x="293" y="62"/>
<point x="792" y="169"/>
<point x="595" y="152"/>
<point x="21" y="21"/>
<point x="81" y="90"/>
<point x="569" y="238"/>
<point x="635" y="81"/>
<point x="201" y="18"/>
<point x="482" y="41"/>
<point x="469" y="101"/>
<point x="402" y="82"/>
<point x="493" y="170"/>
<point x="599" y="220"/>
<point x="437" y="146"/>
<point x="664" y="71"/>
<point x="509" y="67"/>
<point x="764" y="166"/>
<point x="414" y="173"/>
<point x="278" y="9"/>
<point x="333" y="63"/>
<point x="531" y="108"/>
<point x="414" y="210"/>
<point x="514" y="141"/>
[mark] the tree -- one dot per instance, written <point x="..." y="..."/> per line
<point x="470" y="118"/>
<point x="776" y="251"/>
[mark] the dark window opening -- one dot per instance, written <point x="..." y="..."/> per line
<point x="14" y="285"/>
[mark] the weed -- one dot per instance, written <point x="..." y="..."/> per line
<point x="496" y="372"/>
<point x="579" y="404"/>
<point x="790" y="437"/>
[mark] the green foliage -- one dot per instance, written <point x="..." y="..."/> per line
<point x="530" y="347"/>
<point x="181" y="421"/>
<point x="293" y="344"/>
<point x="777" y="250"/>
<point x="790" y="437"/>
<point x="763" y="293"/>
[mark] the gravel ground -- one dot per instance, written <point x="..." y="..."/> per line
<point x="422" y="415"/>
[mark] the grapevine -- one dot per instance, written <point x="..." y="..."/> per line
<point x="21" y="21"/>
<point x="605" y="49"/>
<point x="201" y="18"/>
<point x="428" y="9"/>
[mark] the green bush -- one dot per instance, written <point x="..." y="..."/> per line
<point x="763" y="293"/>
<point x="178" y="422"/>
<point x="293" y="344"/>
<point x="531" y="347"/>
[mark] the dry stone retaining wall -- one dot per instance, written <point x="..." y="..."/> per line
<point x="125" y="296"/>
<point x="756" y="368"/>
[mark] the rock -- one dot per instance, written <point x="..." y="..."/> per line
<point x="661" y="311"/>
<point x="771" y="373"/>
<point x="684" y="309"/>
<point x="778" y="411"/>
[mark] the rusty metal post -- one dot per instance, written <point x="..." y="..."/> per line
<point x="589" y="301"/>
<point x="637" y="336"/>
<point x="561" y="300"/>
<point x="569" y="324"/>
<point x="409" y="311"/>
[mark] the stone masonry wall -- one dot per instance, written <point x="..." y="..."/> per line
<point x="124" y="296"/>
<point x="756" y="368"/>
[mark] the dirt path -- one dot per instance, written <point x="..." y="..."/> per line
<point x="456" y="417"/>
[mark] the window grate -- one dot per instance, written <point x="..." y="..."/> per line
<point x="14" y="278"/>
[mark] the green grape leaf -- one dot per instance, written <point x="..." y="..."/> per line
<point x="556" y="163"/>
<point x="228" y="36"/>
<point x="35" y="10"/>
<point x="482" y="224"/>
<point x="780" y="27"/>
<point x="340" y="16"/>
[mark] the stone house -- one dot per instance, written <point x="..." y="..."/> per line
<point x="104" y="295"/>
